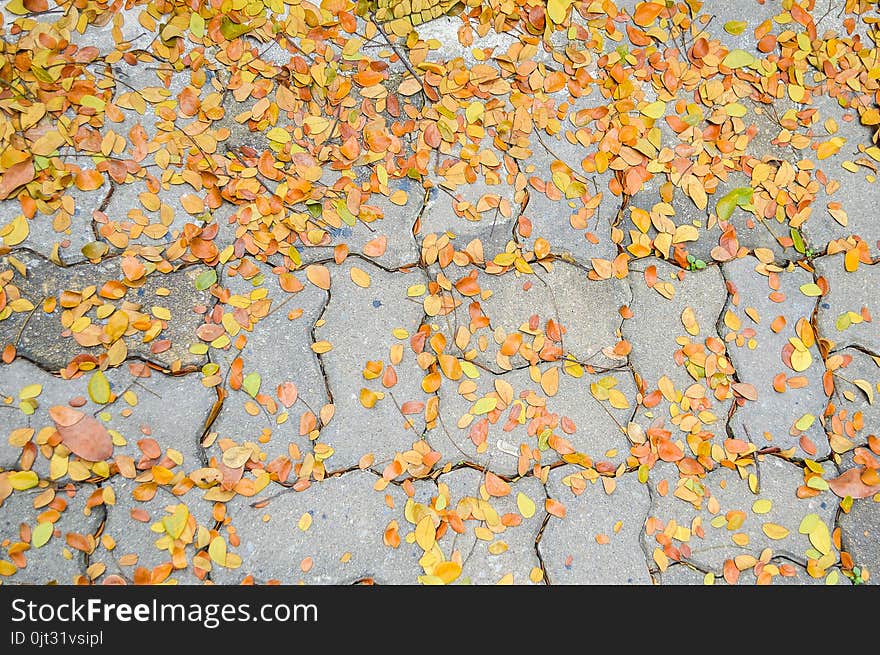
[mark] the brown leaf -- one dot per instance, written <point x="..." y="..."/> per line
<point x="230" y="475"/>
<point x="15" y="176"/>
<point x="850" y="484"/>
<point x="209" y="331"/>
<point x="745" y="390"/>
<point x="65" y="416"/>
<point x="87" y="438"/>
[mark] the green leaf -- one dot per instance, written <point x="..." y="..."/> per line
<point x="735" y="27"/>
<point x="484" y="405"/>
<point x="95" y="249"/>
<point x="205" y="279"/>
<point x="231" y="30"/>
<point x="99" y="388"/>
<point x="251" y="384"/>
<point x="347" y="217"/>
<point x="735" y="198"/>
<point x="295" y="257"/>
<point x="799" y="244"/>
<point x="93" y="102"/>
<point x="197" y="25"/>
<point x="41" y="534"/>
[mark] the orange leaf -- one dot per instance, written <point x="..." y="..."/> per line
<point x="88" y="180"/>
<point x="468" y="286"/>
<point x="646" y="13"/>
<point x="289" y="283"/>
<point x="731" y="573"/>
<point x="495" y="486"/>
<point x="78" y="542"/>
<point x="65" y="416"/>
<point x="287" y="393"/>
<point x="669" y="452"/>
<point x="133" y="268"/>
<point x="376" y="247"/>
<point x="318" y="275"/>
<point x="555" y="508"/>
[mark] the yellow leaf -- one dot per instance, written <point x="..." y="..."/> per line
<point x="30" y="391"/>
<point x="23" y="480"/>
<point x="809" y="523"/>
<point x="474" y="112"/>
<point x="447" y="571"/>
<point x="556" y="10"/>
<point x="735" y="109"/>
<point x="360" y="277"/>
<point x="796" y="92"/>
<point x="550" y="381"/>
<point x="425" y="533"/>
<point x="278" y="134"/>
<point x="525" y="505"/>
<point x="738" y="59"/>
<point x="368" y="398"/>
<point x="617" y="399"/>
<point x="689" y="320"/>
<point x="761" y="506"/>
<point x="305" y="522"/>
<point x="865" y="386"/>
<point x="686" y="233"/>
<point x="801" y="360"/>
<point x="775" y="531"/>
<point x="828" y="148"/>
<point x="99" y="388"/>
<point x="236" y="456"/>
<point x="16" y="231"/>
<point x="654" y="110"/>
<point x="821" y="538"/>
<point x="175" y="523"/>
<point x="804" y="422"/>
<point x="399" y="197"/>
<point x="162" y="313"/>
<point x="217" y="550"/>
